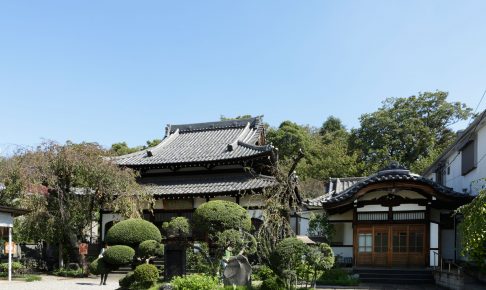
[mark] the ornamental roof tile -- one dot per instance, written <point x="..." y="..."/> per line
<point x="209" y="184"/>
<point x="345" y="188"/>
<point x="202" y="143"/>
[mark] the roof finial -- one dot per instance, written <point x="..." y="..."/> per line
<point x="167" y="130"/>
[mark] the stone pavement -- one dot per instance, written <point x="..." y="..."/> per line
<point x="49" y="282"/>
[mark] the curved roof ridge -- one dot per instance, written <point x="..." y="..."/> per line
<point x="215" y="125"/>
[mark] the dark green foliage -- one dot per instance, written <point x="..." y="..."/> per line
<point x="197" y="262"/>
<point x="65" y="272"/>
<point x="99" y="266"/>
<point x="319" y="226"/>
<point x="127" y="280"/>
<point x="407" y="130"/>
<point x="262" y="273"/>
<point x="151" y="248"/>
<point x="177" y="227"/>
<point x="132" y="232"/>
<point x="473" y="229"/>
<point x="287" y="258"/>
<point x="146" y="274"/>
<point x="237" y="240"/>
<point x="17" y="267"/>
<point x="195" y="282"/>
<point x="337" y="277"/>
<point x="219" y="215"/>
<point x="119" y="255"/>
<point x="272" y="283"/>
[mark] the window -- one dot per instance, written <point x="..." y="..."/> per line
<point x="381" y="242"/>
<point x="400" y="242"/>
<point x="364" y="243"/>
<point x="415" y="242"/>
<point x="468" y="157"/>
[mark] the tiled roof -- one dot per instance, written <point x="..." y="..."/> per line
<point x="391" y="173"/>
<point x="203" y="143"/>
<point x="207" y="184"/>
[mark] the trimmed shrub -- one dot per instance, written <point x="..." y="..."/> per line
<point x="66" y="272"/>
<point x="127" y="281"/>
<point x="151" y="248"/>
<point x="338" y="277"/>
<point x="132" y="232"/>
<point x="195" y="282"/>
<point x="177" y="227"/>
<point x="287" y="255"/>
<point x="17" y="267"/>
<point x="219" y="215"/>
<point x="146" y="274"/>
<point x="119" y="255"/>
<point x="99" y="266"/>
<point x="272" y="283"/>
<point x="262" y="273"/>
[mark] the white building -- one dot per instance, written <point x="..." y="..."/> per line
<point x="463" y="165"/>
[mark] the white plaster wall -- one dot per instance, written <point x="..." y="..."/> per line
<point x="344" y="233"/>
<point x="256" y="213"/>
<point x="348" y="216"/>
<point x="471" y="181"/>
<point x="447" y="243"/>
<point x="6" y="219"/>
<point x="227" y="198"/>
<point x="372" y="207"/>
<point x="343" y="251"/>
<point x="106" y="218"/>
<point x="251" y="200"/>
<point x="434" y="235"/>
<point x="405" y="207"/>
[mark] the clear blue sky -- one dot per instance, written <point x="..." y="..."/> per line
<point x="109" y="71"/>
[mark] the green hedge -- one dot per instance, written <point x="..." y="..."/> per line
<point x="151" y="248"/>
<point x="17" y="267"/>
<point x="146" y="274"/>
<point x="195" y="282"/>
<point x="219" y="215"/>
<point x="132" y="232"/>
<point x="99" y="266"/>
<point x="119" y="255"/>
<point x="126" y="281"/>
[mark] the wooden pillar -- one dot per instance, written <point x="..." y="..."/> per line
<point x="10" y="249"/>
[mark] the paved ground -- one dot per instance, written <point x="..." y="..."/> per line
<point x="371" y="286"/>
<point x="62" y="283"/>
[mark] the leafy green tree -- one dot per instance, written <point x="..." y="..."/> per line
<point x="473" y="229"/>
<point x="407" y="130"/>
<point x="319" y="226"/>
<point x="121" y="148"/>
<point x="287" y="257"/>
<point x="224" y="118"/>
<point x="64" y="186"/>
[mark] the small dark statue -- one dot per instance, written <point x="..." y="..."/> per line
<point x="237" y="272"/>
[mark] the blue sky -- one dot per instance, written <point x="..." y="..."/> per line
<point x="110" y="71"/>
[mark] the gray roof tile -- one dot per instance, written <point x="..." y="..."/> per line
<point x="202" y="185"/>
<point x="203" y="142"/>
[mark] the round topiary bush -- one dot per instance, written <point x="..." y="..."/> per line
<point x="219" y="215"/>
<point x="126" y="281"/>
<point x="119" y="255"/>
<point x="151" y="248"/>
<point x="177" y="227"/>
<point x="287" y="255"/>
<point x="146" y="274"/>
<point x="132" y="232"/>
<point x="99" y="266"/>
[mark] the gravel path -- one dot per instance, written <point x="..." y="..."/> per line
<point x="62" y="283"/>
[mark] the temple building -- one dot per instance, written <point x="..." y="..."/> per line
<point x="196" y="163"/>
<point x="393" y="218"/>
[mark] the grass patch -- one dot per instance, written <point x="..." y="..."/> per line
<point x="32" y="278"/>
<point x="337" y="277"/>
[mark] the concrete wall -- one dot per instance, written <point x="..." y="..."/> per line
<point x="449" y="280"/>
